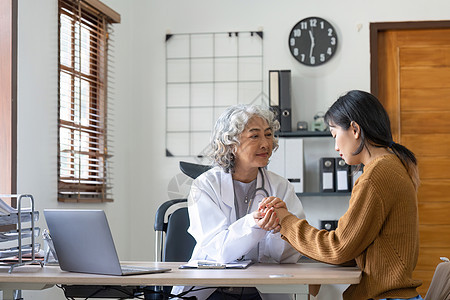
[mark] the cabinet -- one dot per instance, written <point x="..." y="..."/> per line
<point x="316" y="144"/>
<point x="18" y="242"/>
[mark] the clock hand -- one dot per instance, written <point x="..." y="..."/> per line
<point x="312" y="43"/>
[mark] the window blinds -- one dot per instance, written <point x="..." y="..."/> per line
<point x="83" y="152"/>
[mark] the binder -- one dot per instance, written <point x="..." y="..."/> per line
<point x="343" y="176"/>
<point x="287" y="161"/>
<point x="355" y="174"/>
<point x="327" y="174"/>
<point x="328" y="224"/>
<point x="285" y="101"/>
<point x="277" y="160"/>
<point x="274" y="93"/>
<point x="294" y="163"/>
<point x="280" y="97"/>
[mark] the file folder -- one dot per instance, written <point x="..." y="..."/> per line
<point x="294" y="163"/>
<point x="327" y="174"/>
<point x="285" y="101"/>
<point x="355" y="174"/>
<point x="277" y="160"/>
<point x="287" y="161"/>
<point x="343" y="176"/>
<point x="280" y="97"/>
<point x="274" y="93"/>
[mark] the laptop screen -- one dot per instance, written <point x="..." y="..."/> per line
<point x="83" y="241"/>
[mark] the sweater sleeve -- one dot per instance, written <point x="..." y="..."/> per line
<point x="357" y="229"/>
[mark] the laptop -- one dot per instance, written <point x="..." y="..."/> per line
<point x="84" y="244"/>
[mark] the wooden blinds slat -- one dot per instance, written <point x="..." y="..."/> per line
<point x="83" y="171"/>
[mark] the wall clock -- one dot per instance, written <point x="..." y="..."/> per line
<point x="313" y="41"/>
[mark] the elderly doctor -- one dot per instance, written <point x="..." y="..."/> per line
<point x="223" y="202"/>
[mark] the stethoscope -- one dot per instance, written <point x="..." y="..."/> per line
<point x="260" y="189"/>
<point x="253" y="195"/>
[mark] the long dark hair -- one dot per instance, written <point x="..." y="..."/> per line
<point x="365" y="109"/>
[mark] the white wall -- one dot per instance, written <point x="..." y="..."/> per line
<point x="141" y="170"/>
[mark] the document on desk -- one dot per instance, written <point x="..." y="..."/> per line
<point x="208" y="264"/>
<point x="6" y="209"/>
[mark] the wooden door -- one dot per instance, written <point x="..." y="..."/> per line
<point x="413" y="83"/>
<point x="8" y="95"/>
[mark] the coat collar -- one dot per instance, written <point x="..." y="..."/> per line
<point x="227" y="188"/>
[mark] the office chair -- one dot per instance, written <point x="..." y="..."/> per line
<point x="176" y="220"/>
<point x="173" y="243"/>
<point x="193" y="170"/>
<point x="440" y="284"/>
<point x="175" y="228"/>
<point x="178" y="243"/>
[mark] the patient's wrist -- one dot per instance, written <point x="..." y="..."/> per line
<point x="282" y="213"/>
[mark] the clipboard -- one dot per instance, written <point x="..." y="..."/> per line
<point x="208" y="264"/>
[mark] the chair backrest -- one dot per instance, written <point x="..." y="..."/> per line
<point x="193" y="170"/>
<point x="173" y="242"/>
<point x="178" y="243"/>
<point x="440" y="284"/>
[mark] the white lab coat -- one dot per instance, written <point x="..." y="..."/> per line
<point x="222" y="238"/>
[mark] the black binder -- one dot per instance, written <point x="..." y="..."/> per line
<point x="343" y="176"/>
<point x="327" y="174"/>
<point x="280" y="97"/>
<point x="285" y="101"/>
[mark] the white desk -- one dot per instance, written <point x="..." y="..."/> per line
<point x="33" y="277"/>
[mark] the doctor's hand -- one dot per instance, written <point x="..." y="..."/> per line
<point x="276" y="204"/>
<point x="269" y="202"/>
<point x="267" y="219"/>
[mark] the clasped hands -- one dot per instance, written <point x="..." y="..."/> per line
<point x="270" y="212"/>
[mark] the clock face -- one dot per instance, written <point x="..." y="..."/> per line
<point x="313" y="41"/>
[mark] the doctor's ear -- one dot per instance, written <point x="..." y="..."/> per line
<point x="356" y="129"/>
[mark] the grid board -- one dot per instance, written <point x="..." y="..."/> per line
<point x="205" y="74"/>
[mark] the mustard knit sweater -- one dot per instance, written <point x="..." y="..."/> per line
<point x="379" y="231"/>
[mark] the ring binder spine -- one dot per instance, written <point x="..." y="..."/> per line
<point x="280" y="97"/>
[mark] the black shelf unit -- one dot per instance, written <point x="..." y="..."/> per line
<point x="303" y="134"/>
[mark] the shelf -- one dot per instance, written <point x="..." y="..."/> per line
<point x="315" y="194"/>
<point x="303" y="134"/>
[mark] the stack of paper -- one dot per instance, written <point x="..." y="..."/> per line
<point x="14" y="251"/>
<point x="14" y="234"/>
<point x="6" y="209"/>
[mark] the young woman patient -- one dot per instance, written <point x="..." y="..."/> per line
<point x="379" y="231"/>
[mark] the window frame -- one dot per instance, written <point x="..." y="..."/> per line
<point x="83" y="155"/>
